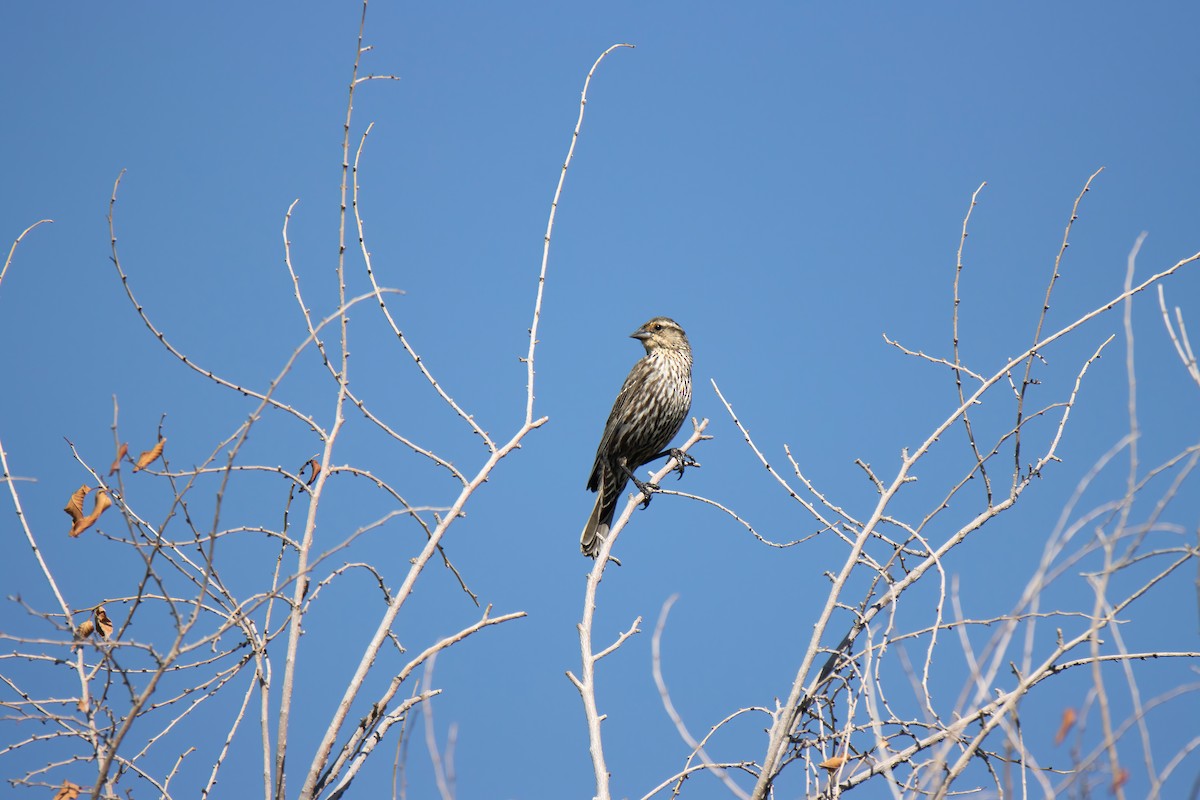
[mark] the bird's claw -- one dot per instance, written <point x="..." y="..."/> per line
<point x="647" y="489"/>
<point x="682" y="460"/>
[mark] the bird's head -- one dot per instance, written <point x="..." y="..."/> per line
<point x="661" y="333"/>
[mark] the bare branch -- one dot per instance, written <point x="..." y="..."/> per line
<point x="665" y="696"/>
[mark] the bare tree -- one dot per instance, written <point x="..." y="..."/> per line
<point x="862" y="708"/>
<point x="223" y="640"/>
<point x="896" y="686"/>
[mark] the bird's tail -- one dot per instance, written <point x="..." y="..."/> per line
<point x="595" y="531"/>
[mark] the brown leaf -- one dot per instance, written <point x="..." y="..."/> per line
<point x="315" y="466"/>
<point x="68" y="791"/>
<point x="101" y="502"/>
<point x="74" y="507"/>
<point x="1068" y="722"/>
<point x="122" y="451"/>
<point x="833" y="763"/>
<point x="148" y="457"/>
<point x="85" y="629"/>
<point x="1121" y="777"/>
<point x="103" y="623"/>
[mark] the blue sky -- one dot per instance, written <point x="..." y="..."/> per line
<point x="787" y="180"/>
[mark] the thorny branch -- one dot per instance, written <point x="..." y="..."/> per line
<point x="787" y="742"/>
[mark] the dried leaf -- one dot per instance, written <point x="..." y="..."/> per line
<point x="148" y="457"/>
<point x="103" y="623"/>
<point x="315" y="466"/>
<point x="1068" y="722"/>
<point x="82" y="705"/>
<point x="74" y="507"/>
<point x="1120" y="779"/>
<point x="833" y="763"/>
<point x="85" y="629"/>
<point x="68" y="791"/>
<point x="101" y="502"/>
<point x="122" y="451"/>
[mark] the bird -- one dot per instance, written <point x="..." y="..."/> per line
<point x="648" y="412"/>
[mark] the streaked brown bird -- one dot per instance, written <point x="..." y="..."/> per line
<point x="647" y="414"/>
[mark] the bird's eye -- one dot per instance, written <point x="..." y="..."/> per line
<point x="658" y="328"/>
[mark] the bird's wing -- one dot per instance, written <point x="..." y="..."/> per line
<point x="620" y="420"/>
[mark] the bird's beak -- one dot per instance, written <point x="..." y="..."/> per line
<point x="641" y="336"/>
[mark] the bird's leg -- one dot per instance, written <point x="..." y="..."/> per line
<point x="682" y="460"/>
<point x="645" y="487"/>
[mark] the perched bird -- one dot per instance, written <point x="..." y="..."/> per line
<point x="647" y="414"/>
